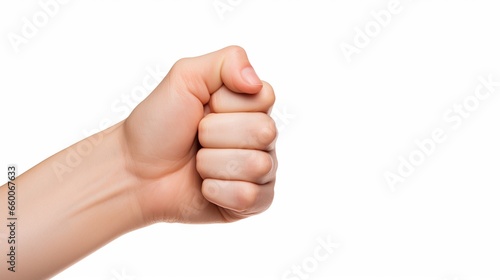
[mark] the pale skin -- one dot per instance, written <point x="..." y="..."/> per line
<point x="198" y="149"/>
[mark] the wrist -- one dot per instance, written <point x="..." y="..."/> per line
<point x="99" y="185"/>
<point x="116" y="186"/>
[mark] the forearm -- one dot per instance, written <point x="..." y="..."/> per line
<point x="70" y="205"/>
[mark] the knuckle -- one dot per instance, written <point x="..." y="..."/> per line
<point x="235" y="50"/>
<point x="267" y="132"/>
<point x="200" y="155"/>
<point x="203" y="128"/>
<point x="246" y="197"/>
<point x="215" y="102"/>
<point x="185" y="79"/>
<point x="200" y="161"/>
<point x="268" y="96"/>
<point x="262" y="164"/>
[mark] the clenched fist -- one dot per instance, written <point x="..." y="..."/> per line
<point x="201" y="146"/>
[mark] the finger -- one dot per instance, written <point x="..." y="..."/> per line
<point x="237" y="131"/>
<point x="242" y="199"/>
<point x="236" y="164"/>
<point x="226" y="101"/>
<point x="203" y="75"/>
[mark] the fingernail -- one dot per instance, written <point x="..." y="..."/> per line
<point x="249" y="75"/>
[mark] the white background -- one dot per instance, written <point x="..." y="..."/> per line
<point x="343" y="125"/>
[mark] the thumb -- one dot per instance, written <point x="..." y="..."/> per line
<point x="203" y="75"/>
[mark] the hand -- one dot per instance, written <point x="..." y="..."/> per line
<point x="201" y="146"/>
